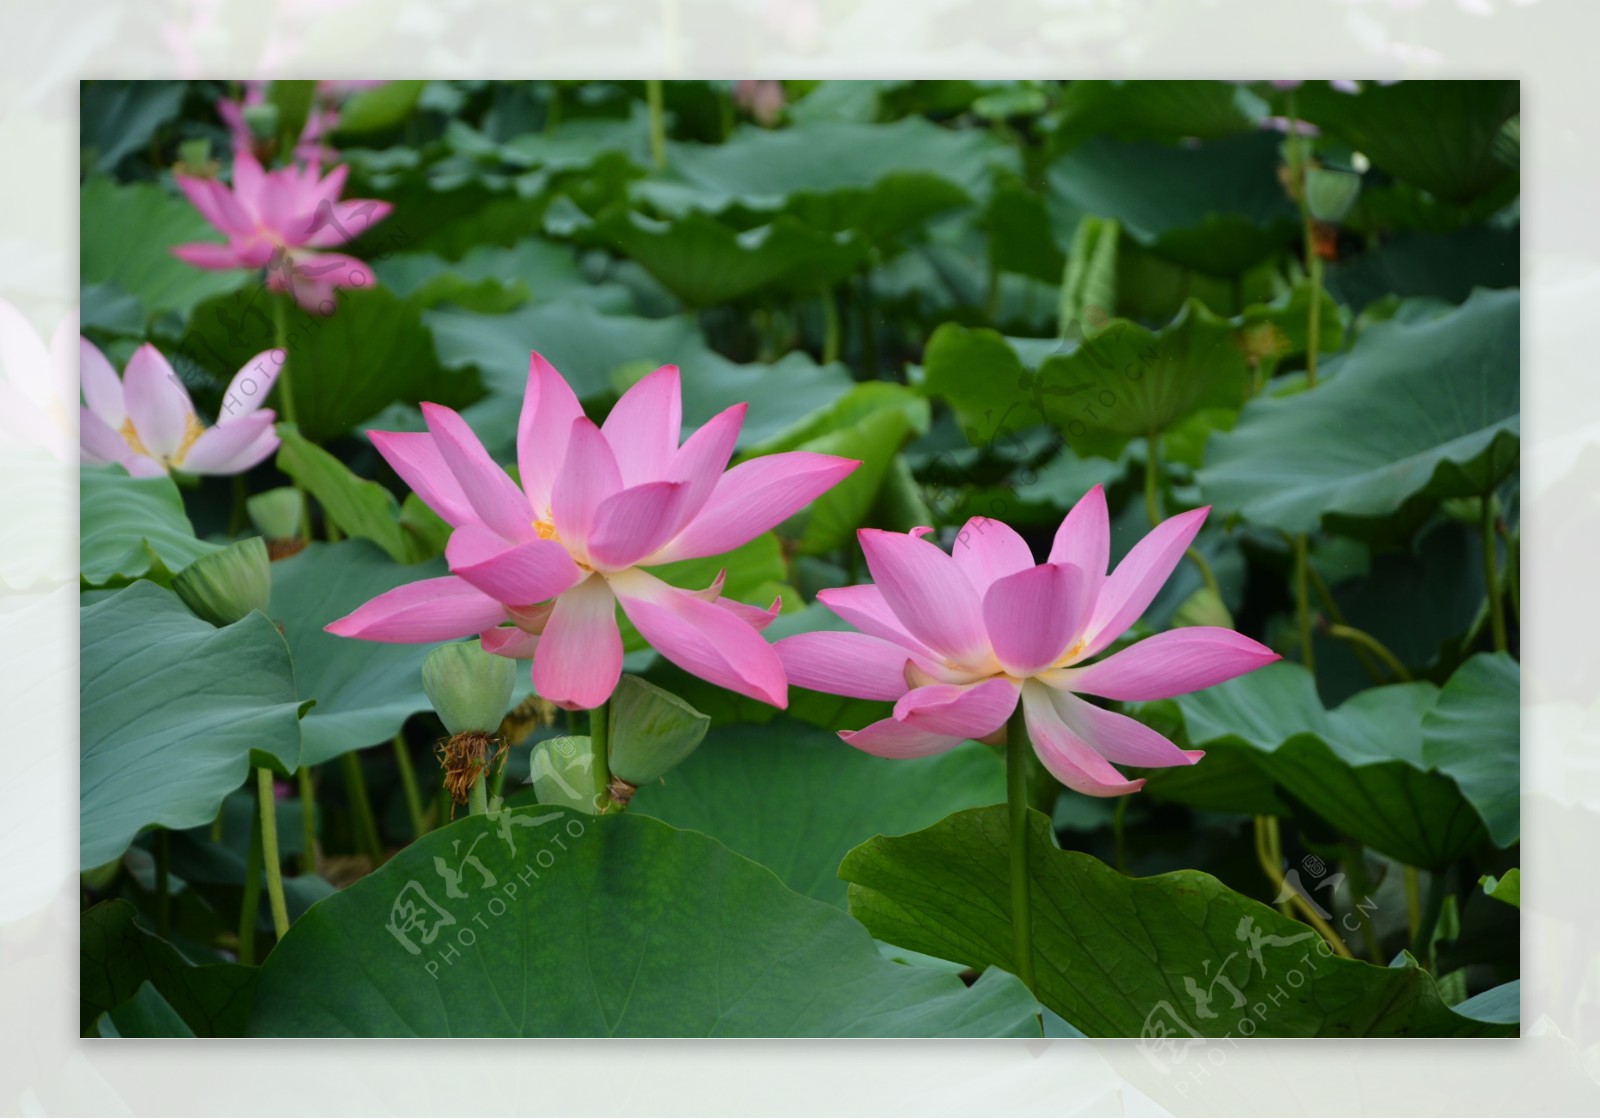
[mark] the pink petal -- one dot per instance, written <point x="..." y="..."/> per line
<point x="1169" y="664"/>
<point x="102" y="388"/>
<point x="231" y="448"/>
<point x="644" y="426"/>
<point x="1118" y="738"/>
<point x="1139" y="577"/>
<point x="632" y="523"/>
<point x="548" y="411"/>
<point x="416" y="458"/>
<point x="699" y="463"/>
<point x="890" y="738"/>
<point x="496" y="499"/>
<point x="1033" y="616"/>
<point x="1070" y="759"/>
<point x="986" y="550"/>
<point x="755" y="615"/>
<point x="250" y="386"/>
<point x="97" y="441"/>
<point x="510" y="641"/>
<point x="849" y="664"/>
<point x="1084" y="540"/>
<point x="216" y="204"/>
<point x="579" y="659"/>
<point x="702" y="638"/>
<point x="961" y="710"/>
<point x="143" y="466"/>
<point x="209" y="255"/>
<point x="929" y="594"/>
<point x="863" y="606"/>
<point x="754" y="497"/>
<point x="157" y="402"/>
<point x="343" y="221"/>
<point x="519" y="574"/>
<point x="249" y="181"/>
<point x="442" y="609"/>
<point x="588" y="476"/>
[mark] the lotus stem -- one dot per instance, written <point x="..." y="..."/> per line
<point x="1332" y="608"/>
<point x="1413" y="901"/>
<point x="1152" y="467"/>
<point x="658" y="123"/>
<point x="1017" y="748"/>
<point x="308" y="819"/>
<point x="1309" y="915"/>
<point x="1360" y="638"/>
<point x="280" y="320"/>
<point x="1299" y="157"/>
<point x="269" y="851"/>
<point x="1302" y="565"/>
<point x="1491" y="576"/>
<point x="408" y="782"/>
<point x="250" y="903"/>
<point x="355" y="788"/>
<point x="600" y="745"/>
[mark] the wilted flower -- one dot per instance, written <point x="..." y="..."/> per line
<point x="596" y="506"/>
<point x="276" y="220"/>
<point x="146" y="422"/>
<point x="957" y="640"/>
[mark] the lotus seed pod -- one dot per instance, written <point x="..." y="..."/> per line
<point x="1330" y="194"/>
<point x="227" y="585"/>
<point x="652" y="730"/>
<point x="562" y="771"/>
<point x="469" y="688"/>
<point x="277" y="514"/>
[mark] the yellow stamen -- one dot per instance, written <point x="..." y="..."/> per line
<point x="192" y="430"/>
<point x="131" y="435"/>
<point x="546" y="530"/>
<point x="1071" y="654"/>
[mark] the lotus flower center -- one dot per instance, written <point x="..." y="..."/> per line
<point x="1073" y="653"/>
<point x="546" y="531"/>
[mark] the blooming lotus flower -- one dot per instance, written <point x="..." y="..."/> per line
<point x="146" y="422"/>
<point x="276" y="220"/>
<point x="958" y="640"/>
<point x="597" y="505"/>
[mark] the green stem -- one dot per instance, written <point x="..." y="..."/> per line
<point x="1422" y="943"/>
<point x="1313" y="316"/>
<point x="1331" y="607"/>
<point x="1303" y="601"/>
<point x="408" y="781"/>
<point x="308" y="819"/>
<point x="1491" y="576"/>
<point x="1017" y="799"/>
<point x="1413" y="902"/>
<point x="830" y="327"/>
<point x="478" y="797"/>
<point x="163" y="884"/>
<point x="1299" y="159"/>
<point x="250" y="904"/>
<point x="600" y="744"/>
<point x="1207" y="576"/>
<point x="1152" y="469"/>
<point x="269" y="852"/>
<point x="1356" y="869"/>
<point x="658" y="123"/>
<point x="355" y="790"/>
<point x="1360" y="638"/>
<point x="280" y="319"/>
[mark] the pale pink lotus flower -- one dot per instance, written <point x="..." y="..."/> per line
<point x="957" y="640"/>
<point x="320" y="122"/>
<point x="277" y="220"/>
<point x="597" y="505"/>
<point x="763" y="100"/>
<point x="145" y="421"/>
<point x="36" y="384"/>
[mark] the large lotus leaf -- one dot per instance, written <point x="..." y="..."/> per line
<point x="364" y="690"/>
<point x="704" y="262"/>
<point x="543" y="923"/>
<point x="359" y="506"/>
<point x="344" y="367"/>
<point x="383" y="106"/>
<point x="1360" y="766"/>
<point x="117" y="958"/>
<point x="1143" y="110"/>
<point x="1416" y="411"/>
<point x="1216" y="208"/>
<point x="128" y="527"/>
<point x="1439" y="135"/>
<point x="126" y="234"/>
<point x="170" y="710"/>
<point x="530" y="268"/>
<point x="1474" y="734"/>
<point x="795" y="798"/>
<point x="1178" y="956"/>
<point x="118" y="117"/>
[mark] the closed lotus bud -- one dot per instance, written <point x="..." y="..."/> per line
<point x="262" y="120"/>
<point x="469" y="688"/>
<point x="1330" y="194"/>
<point x="652" y="730"/>
<point x="224" y="586"/>
<point x="277" y="514"/>
<point x="562" y="771"/>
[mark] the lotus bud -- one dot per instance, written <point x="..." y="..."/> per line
<point x="227" y="585"/>
<point x="469" y="688"/>
<point x="562" y="771"/>
<point x="262" y="120"/>
<point x="278" y="515"/>
<point x="652" y="730"/>
<point x="1330" y="194"/>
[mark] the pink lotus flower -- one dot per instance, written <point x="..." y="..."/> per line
<point x="597" y="506"/>
<point x="957" y="640"/>
<point x="275" y="220"/>
<point x="146" y="422"/>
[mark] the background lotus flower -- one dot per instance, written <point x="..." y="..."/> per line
<point x="146" y="422"/>
<point x="277" y="220"/>
<point x="597" y="505"/>
<point x="957" y="640"/>
<point x="36" y="384"/>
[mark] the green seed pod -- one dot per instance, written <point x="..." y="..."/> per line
<point x="652" y="730"/>
<point x="224" y="586"/>
<point x="469" y="688"/>
<point x="563" y="772"/>
<point x="1330" y="194"/>
<point x="262" y="119"/>
<point x="277" y="514"/>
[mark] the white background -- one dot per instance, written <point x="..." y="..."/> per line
<point x="1550" y="45"/>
